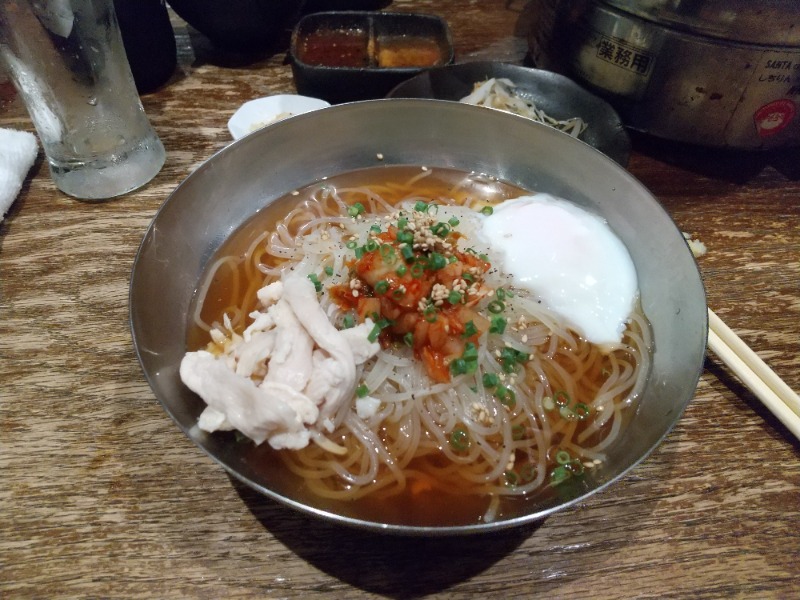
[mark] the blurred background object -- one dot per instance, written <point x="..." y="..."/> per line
<point x="722" y="73"/>
<point x="149" y="41"/>
<point x="312" y="6"/>
<point x="240" y="25"/>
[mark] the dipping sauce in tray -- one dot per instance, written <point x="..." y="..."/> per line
<point x="339" y="47"/>
<point x="335" y="48"/>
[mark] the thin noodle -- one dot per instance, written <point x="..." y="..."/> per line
<point x="406" y="443"/>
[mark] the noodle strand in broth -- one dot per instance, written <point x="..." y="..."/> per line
<point x="493" y="432"/>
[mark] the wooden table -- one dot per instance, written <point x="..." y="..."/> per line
<point x="102" y="496"/>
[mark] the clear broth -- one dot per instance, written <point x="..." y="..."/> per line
<point x="421" y="508"/>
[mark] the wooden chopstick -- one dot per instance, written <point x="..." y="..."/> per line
<point x="773" y="392"/>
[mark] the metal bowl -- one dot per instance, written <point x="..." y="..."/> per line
<point x="249" y="174"/>
<point x="719" y="73"/>
<point x="555" y="94"/>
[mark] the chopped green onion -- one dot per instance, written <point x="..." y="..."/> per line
<point x="511" y="478"/>
<point x="402" y="223"/>
<point x="360" y="252"/>
<point x="547" y="403"/>
<point x="506" y="396"/>
<point x="491" y="380"/>
<point x="487" y="210"/>
<point x="371" y="246"/>
<point x="559" y="474"/>
<point x="495" y="306"/>
<point x="561" y="398"/>
<point x="437" y="261"/>
<point x="509" y="358"/>
<point x="483" y="256"/>
<point x="375" y="228"/>
<point x="518" y="432"/>
<point x="581" y="410"/>
<point x="329" y="270"/>
<point x="454" y="297"/>
<point x="401" y="270"/>
<point x="421" y="206"/>
<point x="417" y="270"/>
<point x="468" y="362"/>
<point x="351" y="245"/>
<point x="373" y="335"/>
<point x="356" y="209"/>
<point x="399" y="293"/>
<point x="452" y="259"/>
<point x="468" y="277"/>
<point x="362" y="390"/>
<point x="407" y="252"/>
<point x="527" y="473"/>
<point x="388" y="254"/>
<point x="405" y="237"/>
<point x="470" y="350"/>
<point x="565" y="412"/>
<point x="498" y="325"/>
<point x="500" y="294"/>
<point x="408" y="339"/>
<point x="469" y="329"/>
<point x="563" y="457"/>
<point x="430" y="313"/>
<point x="459" y="439"/>
<point x="381" y="287"/>
<point x="315" y="280"/>
<point x="377" y="328"/>
<point x="458" y="366"/>
<point x="440" y="229"/>
<point x="348" y="322"/>
<point x="453" y="222"/>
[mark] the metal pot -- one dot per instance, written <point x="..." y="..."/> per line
<point x="722" y="73"/>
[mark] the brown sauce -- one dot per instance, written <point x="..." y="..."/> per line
<point x="335" y="48"/>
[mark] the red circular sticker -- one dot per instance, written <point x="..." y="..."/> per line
<point x="773" y="117"/>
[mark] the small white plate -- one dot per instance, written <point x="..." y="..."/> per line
<point x="261" y="112"/>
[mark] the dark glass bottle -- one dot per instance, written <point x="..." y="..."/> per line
<point x="149" y="41"/>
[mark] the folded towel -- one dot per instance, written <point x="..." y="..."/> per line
<point x="17" y="152"/>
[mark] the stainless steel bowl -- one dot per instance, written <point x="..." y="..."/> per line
<point x="723" y="73"/>
<point x="252" y="172"/>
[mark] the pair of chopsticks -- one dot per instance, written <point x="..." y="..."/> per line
<point x="773" y="392"/>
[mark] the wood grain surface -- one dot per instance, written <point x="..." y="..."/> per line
<point x="101" y="496"/>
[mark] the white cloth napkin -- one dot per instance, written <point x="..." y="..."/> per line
<point x="18" y="150"/>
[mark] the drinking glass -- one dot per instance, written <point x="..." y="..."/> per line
<point x="67" y="60"/>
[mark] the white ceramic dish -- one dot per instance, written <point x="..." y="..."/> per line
<point x="258" y="113"/>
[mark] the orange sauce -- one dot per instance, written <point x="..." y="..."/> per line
<point x="408" y="51"/>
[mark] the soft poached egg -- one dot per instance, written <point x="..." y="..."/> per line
<point x="569" y="258"/>
<point x="565" y="256"/>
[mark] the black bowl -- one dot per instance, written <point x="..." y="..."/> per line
<point x="241" y="25"/>
<point x="556" y="95"/>
<point x="349" y="61"/>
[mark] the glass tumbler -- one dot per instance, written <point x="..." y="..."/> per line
<point x="67" y="60"/>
